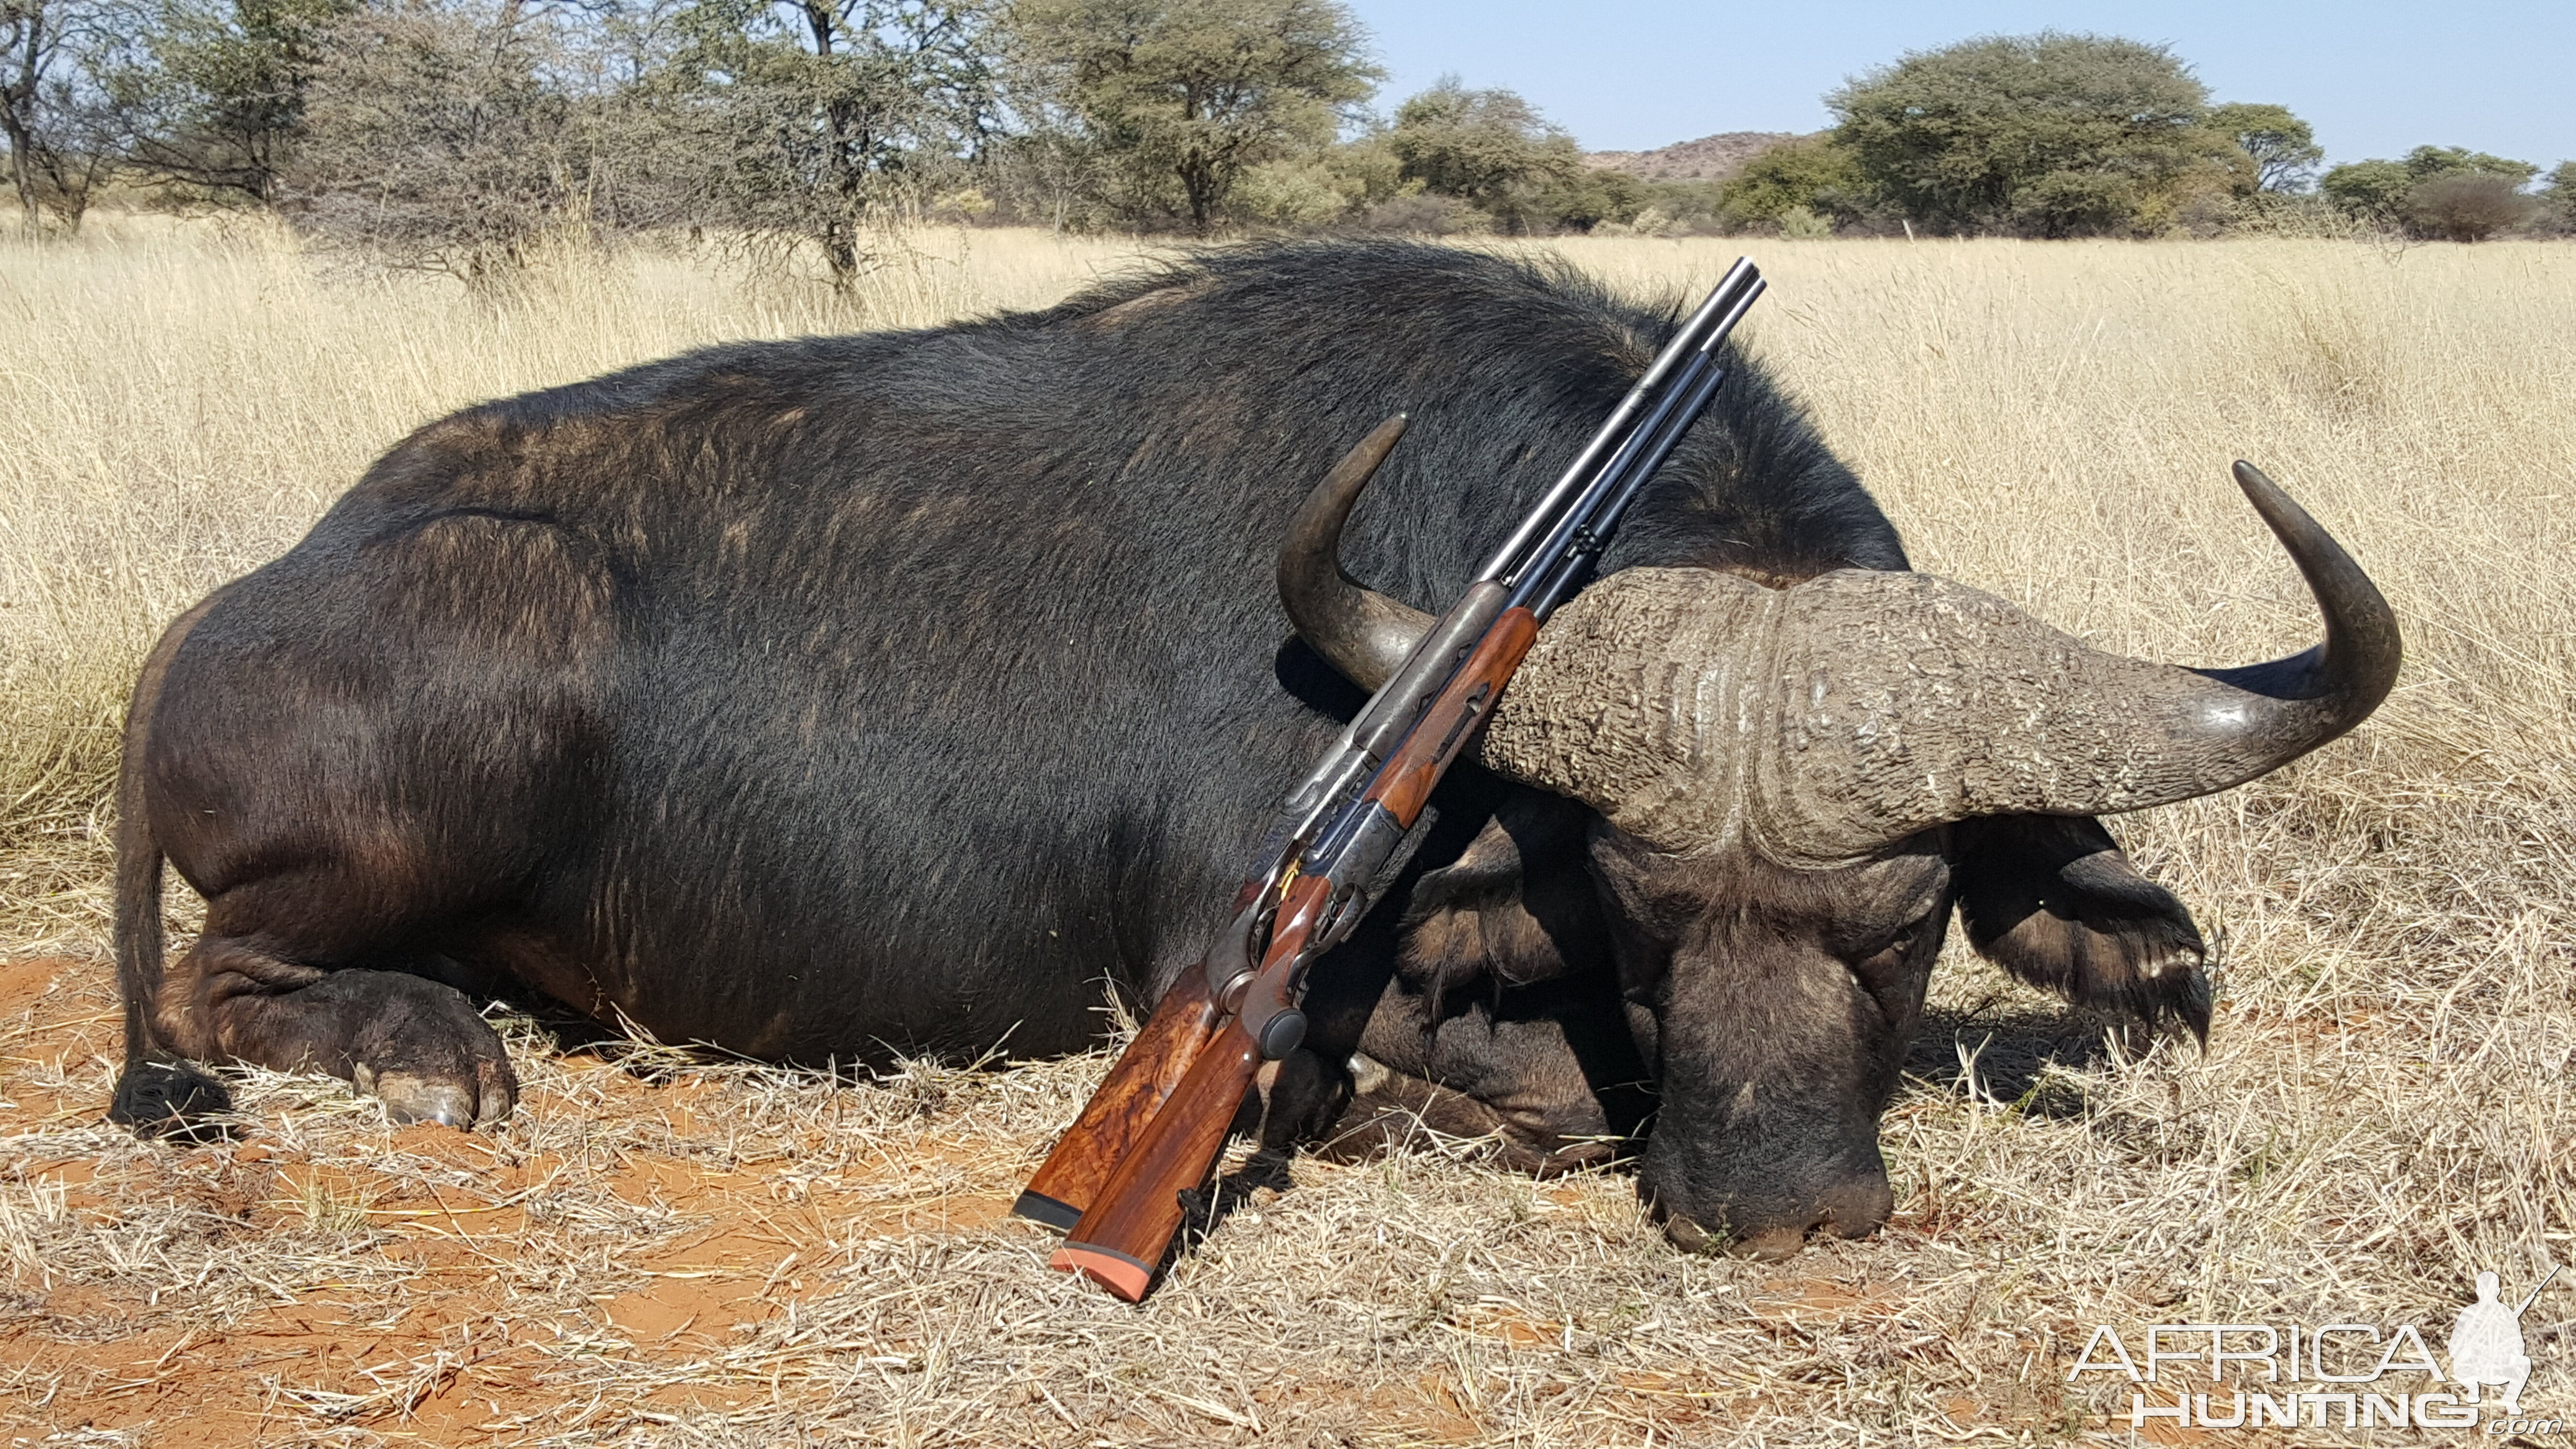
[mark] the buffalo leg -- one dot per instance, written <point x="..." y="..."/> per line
<point x="417" y="1044"/>
<point x="367" y="765"/>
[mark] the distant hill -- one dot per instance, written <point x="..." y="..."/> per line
<point x="1710" y="158"/>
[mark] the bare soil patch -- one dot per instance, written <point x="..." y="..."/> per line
<point x="395" y="1265"/>
<point x="661" y="1250"/>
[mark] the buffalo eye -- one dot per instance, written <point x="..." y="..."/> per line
<point x="1879" y="963"/>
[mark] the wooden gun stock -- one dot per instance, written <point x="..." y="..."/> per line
<point x="1121" y="1237"/>
<point x="1160" y="1054"/>
<point x="1173" y="1037"/>
<point x="1120" y="1240"/>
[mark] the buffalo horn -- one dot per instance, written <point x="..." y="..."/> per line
<point x="1824" y="721"/>
<point x="1360" y="632"/>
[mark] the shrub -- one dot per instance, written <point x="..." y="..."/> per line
<point x="1367" y="170"/>
<point x="1812" y="174"/>
<point x="1590" y="199"/>
<point x="1297" y="194"/>
<point x="2466" y="207"/>
<point x="434" y="139"/>
<point x="2437" y="191"/>
<point x="1423" y="213"/>
<point x="2557" y="200"/>
<point x="2372" y="190"/>
<point x="1653" y="221"/>
<point x="1800" y="224"/>
<point x="1490" y="149"/>
<point x="2074" y="203"/>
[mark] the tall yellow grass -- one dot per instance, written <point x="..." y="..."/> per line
<point x="2384" y="1107"/>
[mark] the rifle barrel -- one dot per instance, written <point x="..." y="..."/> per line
<point x="1644" y="449"/>
<point x="2536" y="1292"/>
<point x="1699" y="334"/>
<point x="1576" y="542"/>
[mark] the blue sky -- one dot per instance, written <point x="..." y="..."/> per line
<point x="2375" y="77"/>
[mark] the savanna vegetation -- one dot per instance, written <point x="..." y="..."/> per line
<point x="666" y="1249"/>
<point x="464" y="136"/>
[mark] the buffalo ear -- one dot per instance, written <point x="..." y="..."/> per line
<point x="1515" y="907"/>
<point x="2052" y="899"/>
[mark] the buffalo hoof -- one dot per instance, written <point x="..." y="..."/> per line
<point x="422" y="1049"/>
<point x="169" y="1099"/>
<point x="1769" y="1246"/>
<point x="409" y="1097"/>
<point x="1853" y="1210"/>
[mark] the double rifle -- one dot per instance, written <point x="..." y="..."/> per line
<point x="1156" y="1125"/>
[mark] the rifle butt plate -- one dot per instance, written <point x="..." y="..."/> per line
<point x="1037" y="1207"/>
<point x="1111" y="1269"/>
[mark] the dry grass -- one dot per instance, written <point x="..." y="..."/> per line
<point x="2383" y="1109"/>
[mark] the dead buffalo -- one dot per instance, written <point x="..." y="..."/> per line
<point x="834" y="698"/>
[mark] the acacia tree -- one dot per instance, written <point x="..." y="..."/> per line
<point x="1183" y="96"/>
<point x="31" y="46"/>
<point x="809" y="121"/>
<point x="448" y="136"/>
<point x="2283" y="148"/>
<point x="2371" y="190"/>
<point x="64" y="132"/>
<point x="221" y="95"/>
<point x="2558" y="198"/>
<point x="1051" y="166"/>
<point x="2050" y="134"/>
<point x="1489" y="148"/>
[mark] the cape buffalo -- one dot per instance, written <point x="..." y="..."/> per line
<point x="833" y="698"/>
